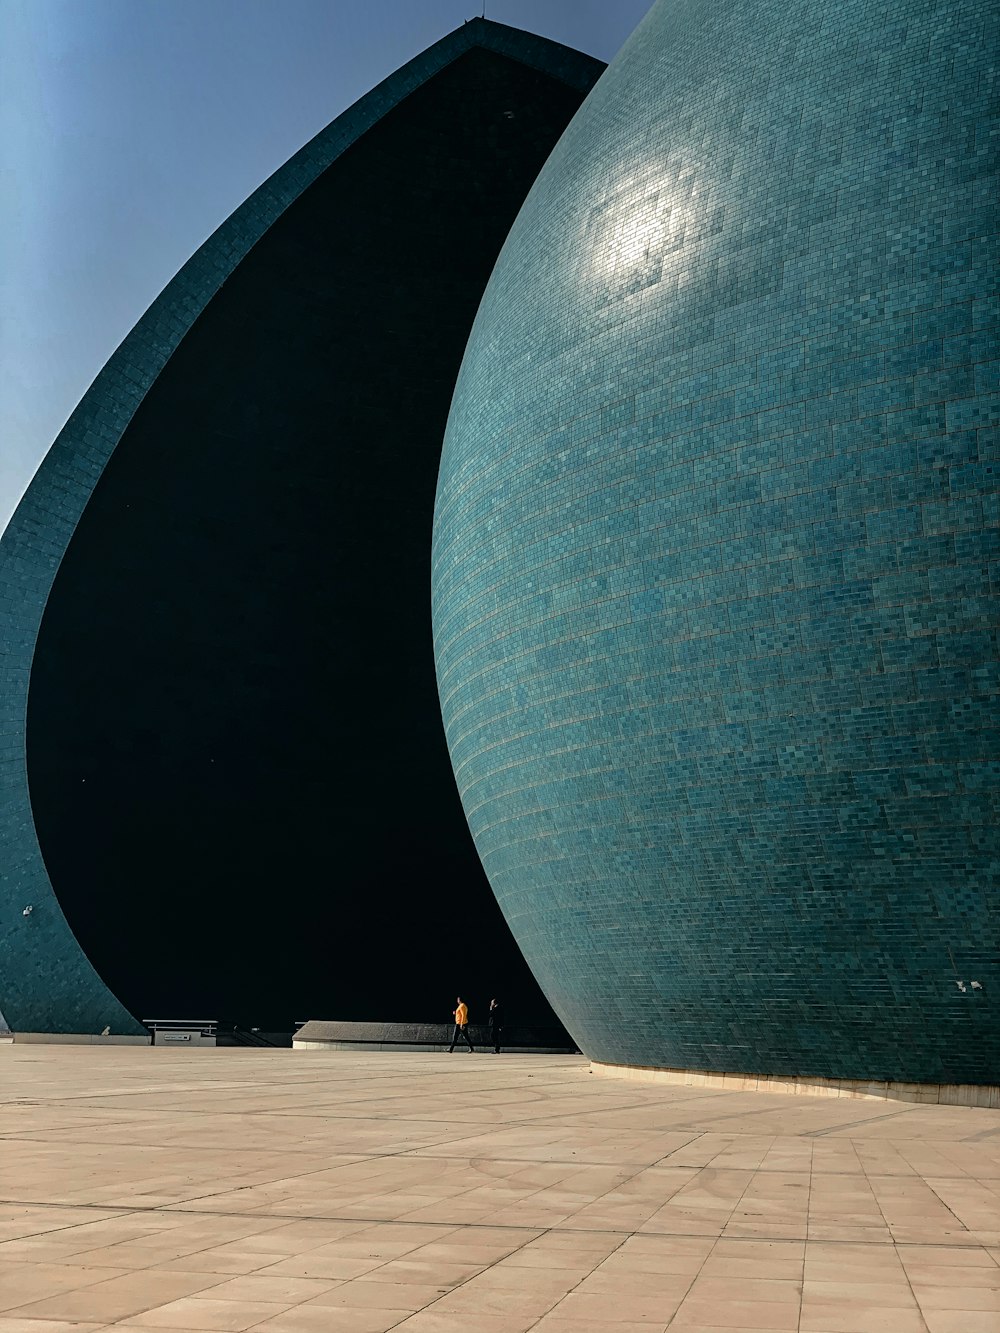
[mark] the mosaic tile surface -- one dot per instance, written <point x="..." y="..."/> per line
<point x="716" y="549"/>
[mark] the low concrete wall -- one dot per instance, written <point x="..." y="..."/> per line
<point x="300" y="1045"/>
<point x="322" y="1035"/>
<point x="78" y="1039"/>
<point x="944" y="1094"/>
<point x="166" y="1038"/>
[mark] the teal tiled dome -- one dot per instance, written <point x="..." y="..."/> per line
<point x="716" y="549"/>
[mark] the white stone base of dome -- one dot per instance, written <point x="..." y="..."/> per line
<point x="944" y="1094"/>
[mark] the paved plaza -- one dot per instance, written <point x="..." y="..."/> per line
<point x="315" y="1192"/>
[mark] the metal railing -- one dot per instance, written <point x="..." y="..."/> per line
<point x="180" y="1030"/>
<point x="223" y="1032"/>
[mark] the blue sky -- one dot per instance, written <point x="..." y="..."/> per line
<point x="129" y="129"/>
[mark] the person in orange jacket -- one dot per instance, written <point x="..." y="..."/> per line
<point x="461" y="1025"/>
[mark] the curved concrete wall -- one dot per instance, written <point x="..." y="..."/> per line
<point x="220" y="560"/>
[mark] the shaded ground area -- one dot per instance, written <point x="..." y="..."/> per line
<point x="147" y="1188"/>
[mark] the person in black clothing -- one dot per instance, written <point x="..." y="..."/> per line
<point x="496" y="1025"/>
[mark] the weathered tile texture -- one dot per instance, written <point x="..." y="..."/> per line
<point x="716" y="549"/>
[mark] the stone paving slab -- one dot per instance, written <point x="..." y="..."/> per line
<point x="342" y="1192"/>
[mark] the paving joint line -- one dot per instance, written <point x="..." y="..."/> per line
<point x="888" y="1226"/>
<point x="289" y="1218"/>
<point x="713" y="1248"/>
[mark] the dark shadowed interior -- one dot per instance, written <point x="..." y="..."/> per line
<point x="235" y="750"/>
